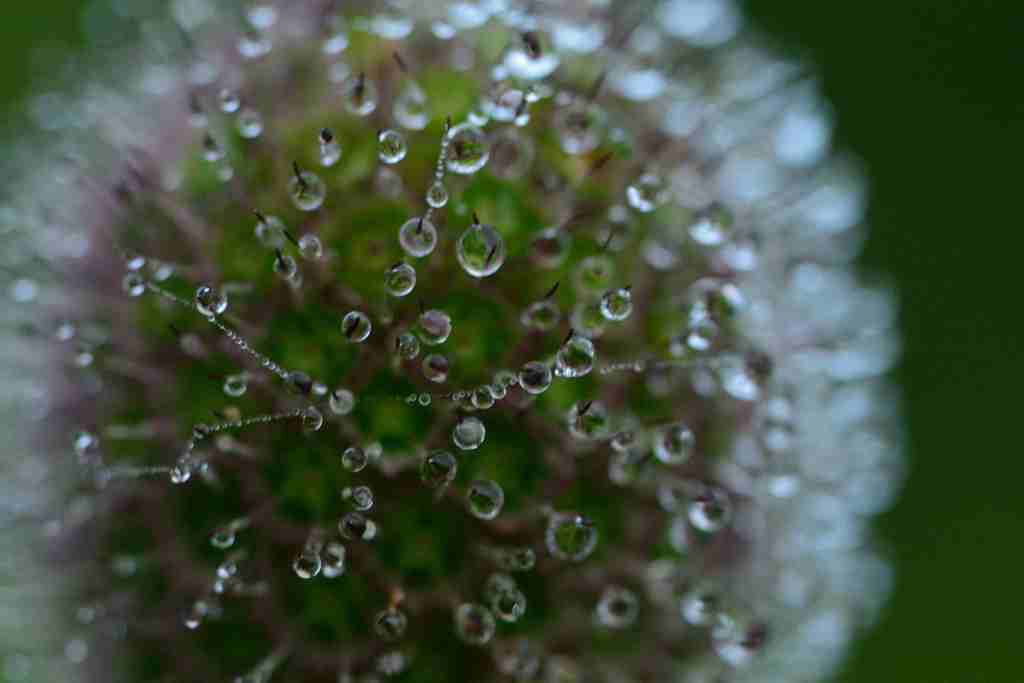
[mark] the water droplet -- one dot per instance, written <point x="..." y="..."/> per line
<point x="480" y="250"/>
<point x="737" y="640"/>
<point x="228" y="100"/>
<point x="467" y="149"/>
<point x="408" y="345"/>
<point x="617" y="608"/>
<point x="587" y="319"/>
<point x="212" y="151"/>
<point x="507" y="602"/>
<point x="516" y="559"/>
<point x="438" y="469"/>
<point x="133" y="285"/>
<point x="410" y="108"/>
<point x="580" y="127"/>
<point x="710" y="510"/>
<point x="519" y="659"/>
<point x="270" y="231"/>
<point x="390" y="624"/>
<point x="575" y="358"/>
<point x="86" y="445"/>
<point x="434" y="326"/>
<point x="307" y="190"/>
<point x="359" y="95"/>
<point x="570" y="537"/>
<point x="308" y="564"/>
<point x="624" y="441"/>
<point x="210" y="302"/>
<point x="530" y="66"/>
<point x="505" y="105"/>
<point x="535" y="377"/>
<point x="310" y="247"/>
<point x="512" y="154"/>
<point x="424" y="399"/>
<point x="482" y="398"/>
<point x="673" y="445"/>
<point x="341" y="401"/>
<point x="588" y="420"/>
<point x="236" y="385"/>
<point x="356" y="326"/>
<point x="541" y="315"/>
<point x="330" y="150"/>
<point x="361" y="497"/>
<point x="594" y="274"/>
<point x="549" y="248"/>
<point x="469" y="433"/>
<point x="250" y="124"/>
<point x="354" y="459"/>
<point x="223" y="537"/>
<point x="391" y="146"/>
<point x="333" y="560"/>
<point x="435" y="368"/>
<point x="417" y="237"/>
<point x="355" y="526"/>
<point x="437" y="195"/>
<point x="312" y="419"/>
<point x="647" y="193"/>
<point x="711" y="227"/>
<point x="617" y="304"/>
<point x="400" y="279"/>
<point x="484" y="498"/>
<point x="474" y="624"/>
<point x="699" y="606"/>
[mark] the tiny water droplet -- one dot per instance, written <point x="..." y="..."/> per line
<point x="575" y="358"/>
<point x="699" y="606"/>
<point x="407" y="345"/>
<point x="411" y="109"/>
<point x="535" y="377"/>
<point x="228" y="100"/>
<point x="133" y="285"/>
<point x="484" y="498"/>
<point x="361" y="497"/>
<point x="673" y="445"/>
<point x="711" y="510"/>
<point x="391" y="146"/>
<point x="594" y="274"/>
<point x="435" y="368"/>
<point x="469" y="433"/>
<point x="224" y="537"/>
<point x="400" y="279"/>
<point x="355" y="526"/>
<point x="354" y="459"/>
<point x="617" y="608"/>
<point x="480" y="250"/>
<point x="580" y="127"/>
<point x="333" y="560"/>
<point x="467" y="149"/>
<point x="236" y="385"/>
<point x="549" y="248"/>
<point x="312" y="419"/>
<point x="516" y="559"/>
<point x="341" y="401"/>
<point x="390" y="624"/>
<point x="617" y="304"/>
<point x="330" y="150"/>
<point x="249" y="124"/>
<point x="359" y="95"/>
<point x="310" y="247"/>
<point x="270" y="231"/>
<point x="507" y="602"/>
<point x="541" y="315"/>
<point x="209" y="302"/>
<point x="588" y="420"/>
<point x="417" y="237"/>
<point x="356" y="326"/>
<point x="647" y="192"/>
<point x="434" y="326"/>
<point x="307" y="190"/>
<point x="570" y="537"/>
<point x="308" y="564"/>
<point x="437" y="195"/>
<point x="438" y="469"/>
<point x="474" y="624"/>
<point x="482" y="398"/>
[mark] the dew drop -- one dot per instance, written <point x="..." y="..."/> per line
<point x="212" y="151"/>
<point x="361" y="497"/>
<point x="270" y="231"/>
<point x="474" y="624"/>
<point x="312" y="419"/>
<point x="588" y="420"/>
<point x="341" y="401"/>
<point x="516" y="559"/>
<point x="424" y="399"/>
<point x="737" y="640"/>
<point x="435" y="368"/>
<point x="359" y="95"/>
<point x="699" y="606"/>
<point x="417" y="237"/>
<point x="594" y="274"/>
<point x="467" y="149"/>
<point x="330" y="150"/>
<point x="570" y="537"/>
<point x="254" y="45"/>
<point x="86" y="444"/>
<point x="391" y="146"/>
<point x="308" y="564"/>
<point x="411" y="109"/>
<point x="484" y="498"/>
<point x="437" y="195"/>
<point x="710" y="511"/>
<point x="647" y="193"/>
<point x="310" y="247"/>
<point x="356" y="326"/>
<point x="575" y="358"/>
<point x="333" y="560"/>
<point x="390" y="624"/>
<point x="224" y="537"/>
<point x="617" y="304"/>
<point x="307" y="190"/>
<point x="469" y="433"/>
<point x="355" y="526"/>
<point x="228" y="101"/>
<point x="541" y="315"/>
<point x="209" y="302"/>
<point x="354" y="459"/>
<point x="507" y="602"/>
<point x="535" y="377"/>
<point x="434" y="326"/>
<point x="438" y="469"/>
<point x="236" y="385"/>
<point x="673" y="445"/>
<point x="711" y="228"/>
<point x="587" y="319"/>
<point x="249" y="124"/>
<point x="407" y="345"/>
<point x="482" y="398"/>
<point x="528" y="66"/>
<point x="580" y="127"/>
<point x="617" y="608"/>
<point x="549" y="248"/>
<point x="480" y="250"/>
<point x="400" y="279"/>
<point x="133" y="285"/>
<point x="506" y="105"/>
<point x="512" y="154"/>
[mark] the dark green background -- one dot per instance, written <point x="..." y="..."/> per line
<point x="929" y="94"/>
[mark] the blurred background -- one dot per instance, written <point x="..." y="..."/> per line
<point x="928" y="94"/>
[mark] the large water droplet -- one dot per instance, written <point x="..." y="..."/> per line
<point x="307" y="190"/>
<point x="480" y="250"/>
<point x="417" y="237"/>
<point x="467" y="149"/>
<point x="474" y="624"/>
<point x="484" y="498"/>
<point x="400" y="279"/>
<point x="308" y="564"/>
<point x="391" y="146"/>
<point x="354" y="459"/>
<point x="575" y="358"/>
<point x="570" y="537"/>
<point x="359" y="95"/>
<point x="356" y="326"/>
<point x="535" y="377"/>
<point x="469" y="433"/>
<point x="355" y="526"/>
